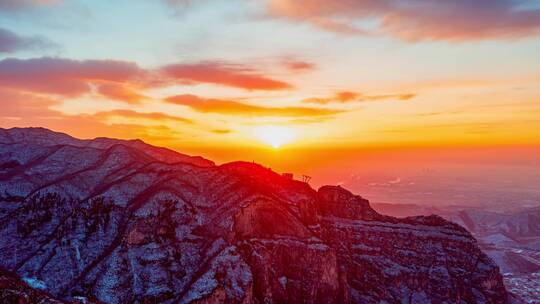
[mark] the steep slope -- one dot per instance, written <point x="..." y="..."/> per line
<point x="116" y="223"/>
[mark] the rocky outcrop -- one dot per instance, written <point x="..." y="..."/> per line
<point x="120" y="224"/>
<point x="411" y="260"/>
<point x="338" y="202"/>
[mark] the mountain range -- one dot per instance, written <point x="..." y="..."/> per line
<point x="117" y="221"/>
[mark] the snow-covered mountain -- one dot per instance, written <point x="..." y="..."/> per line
<point x="122" y="221"/>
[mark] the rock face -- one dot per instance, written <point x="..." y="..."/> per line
<point x="122" y="221"/>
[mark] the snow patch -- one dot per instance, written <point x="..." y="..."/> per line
<point x="283" y="282"/>
<point x="35" y="283"/>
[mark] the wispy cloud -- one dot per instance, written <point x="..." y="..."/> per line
<point x="120" y="92"/>
<point x="413" y="20"/>
<point x="158" y="116"/>
<point x="10" y="42"/>
<point x="231" y="107"/>
<point x="347" y="97"/>
<point x="221" y="131"/>
<point x="298" y="65"/>
<point x="13" y="5"/>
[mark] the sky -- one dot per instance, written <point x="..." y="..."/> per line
<point x="297" y="85"/>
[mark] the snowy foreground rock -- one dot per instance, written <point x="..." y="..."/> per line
<point x="122" y="221"/>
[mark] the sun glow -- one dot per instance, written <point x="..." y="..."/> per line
<point x="275" y="136"/>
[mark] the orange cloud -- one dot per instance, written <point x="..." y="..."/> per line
<point x="231" y="107"/>
<point x="298" y="65"/>
<point x="144" y="115"/>
<point x="221" y="131"/>
<point x="17" y="105"/>
<point x="412" y="20"/>
<point x="232" y="75"/>
<point x="120" y="92"/>
<point x="347" y="96"/>
<point x="406" y="96"/>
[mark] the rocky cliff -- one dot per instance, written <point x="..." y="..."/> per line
<point x="123" y="221"/>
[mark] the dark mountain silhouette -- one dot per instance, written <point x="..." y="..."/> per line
<point x="122" y="221"/>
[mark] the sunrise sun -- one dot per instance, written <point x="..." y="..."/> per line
<point x="275" y="136"/>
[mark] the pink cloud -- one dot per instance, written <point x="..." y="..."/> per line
<point x="64" y="77"/>
<point x="123" y="80"/>
<point x="232" y="75"/>
<point x="416" y="20"/>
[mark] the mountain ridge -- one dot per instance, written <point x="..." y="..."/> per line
<point x="47" y="137"/>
